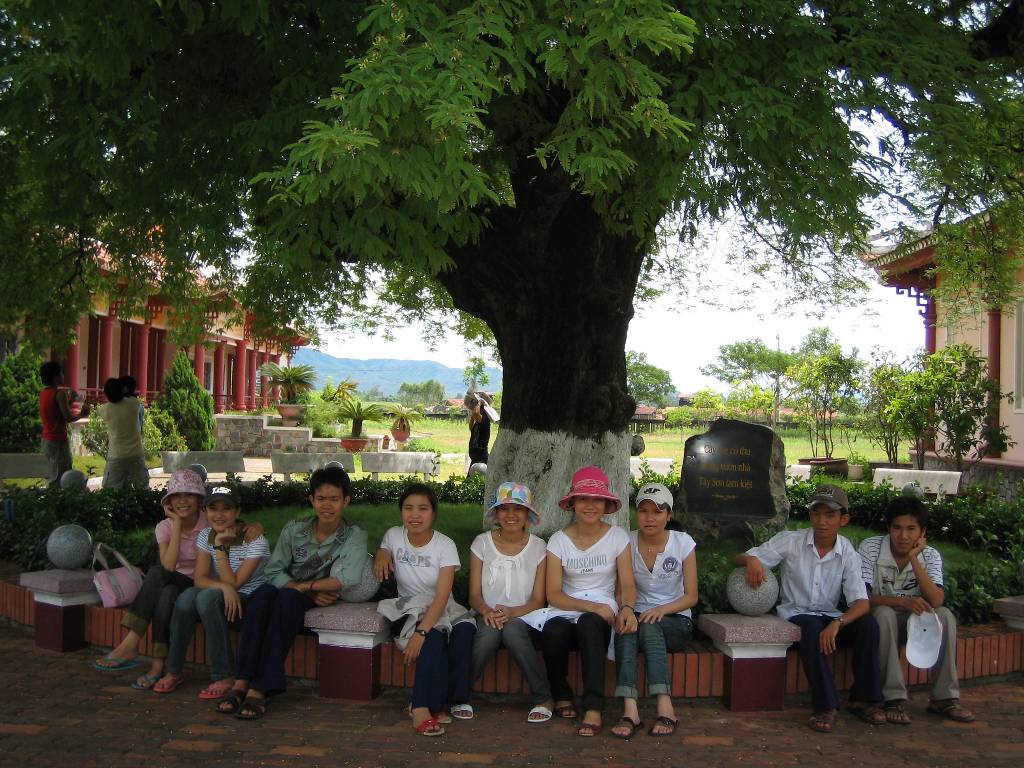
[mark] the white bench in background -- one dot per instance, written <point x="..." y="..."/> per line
<point x="29" y="465"/>
<point x="282" y="463"/>
<point x="798" y="472"/>
<point x="225" y="462"/>
<point x="660" y="466"/>
<point x="400" y="463"/>
<point x="932" y="481"/>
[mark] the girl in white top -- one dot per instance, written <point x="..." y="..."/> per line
<point x="506" y="582"/>
<point x="665" y="568"/>
<point x="588" y="563"/>
<point x="424" y="562"/>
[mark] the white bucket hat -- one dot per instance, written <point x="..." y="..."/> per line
<point x="924" y="639"/>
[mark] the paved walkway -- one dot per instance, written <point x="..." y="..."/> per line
<point x="56" y="711"/>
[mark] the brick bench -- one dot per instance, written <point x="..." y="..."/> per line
<point x="349" y="637"/>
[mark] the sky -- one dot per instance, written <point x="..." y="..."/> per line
<point x="682" y="339"/>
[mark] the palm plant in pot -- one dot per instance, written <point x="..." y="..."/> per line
<point x="294" y="380"/>
<point x="402" y="419"/>
<point x="357" y="412"/>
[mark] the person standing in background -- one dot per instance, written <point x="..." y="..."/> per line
<point x="55" y="410"/>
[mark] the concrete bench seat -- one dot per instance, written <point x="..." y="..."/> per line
<point x="28" y="465"/>
<point x="400" y="463"/>
<point x="660" y="466"/>
<point x="798" y="472"/>
<point x="216" y="462"/>
<point x="932" y="481"/>
<point x="349" y="636"/>
<point x="283" y="463"/>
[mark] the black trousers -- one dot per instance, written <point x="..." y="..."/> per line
<point x="273" y="617"/>
<point x="589" y="637"/>
<point x="862" y="634"/>
<point x="155" y="604"/>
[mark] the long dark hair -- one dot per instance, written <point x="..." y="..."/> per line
<point x="114" y="390"/>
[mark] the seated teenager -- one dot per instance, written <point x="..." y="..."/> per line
<point x="506" y="582"/>
<point x="904" y="577"/>
<point x="313" y="559"/>
<point x="821" y="568"/>
<point x="228" y="570"/>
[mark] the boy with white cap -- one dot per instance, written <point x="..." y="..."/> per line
<point x="821" y="568"/>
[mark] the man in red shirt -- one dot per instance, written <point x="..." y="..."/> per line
<point x="55" y="409"/>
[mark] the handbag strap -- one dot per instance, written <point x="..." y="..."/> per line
<point x="97" y="555"/>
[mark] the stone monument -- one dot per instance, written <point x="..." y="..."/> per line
<point x="734" y="476"/>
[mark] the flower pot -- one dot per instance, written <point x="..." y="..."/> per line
<point x="354" y="444"/>
<point x="401" y="435"/>
<point x="838" y="467"/>
<point x="856" y="472"/>
<point x="291" y="414"/>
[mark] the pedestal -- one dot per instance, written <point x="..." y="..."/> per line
<point x="755" y="658"/>
<point x="60" y="597"/>
<point x="349" y="636"/>
<point x="1011" y="609"/>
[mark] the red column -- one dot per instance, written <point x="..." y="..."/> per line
<point x="124" y="354"/>
<point x="218" y="377"/>
<point x="930" y="316"/>
<point x="276" y="359"/>
<point x="264" y="381"/>
<point x="200" y="363"/>
<point x="161" y="360"/>
<point x="106" y="348"/>
<point x="240" y="366"/>
<point x="995" y="344"/>
<point x="142" y="359"/>
<point x="71" y="367"/>
<point x="250" y="364"/>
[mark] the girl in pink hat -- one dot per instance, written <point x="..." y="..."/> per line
<point x="586" y="563"/>
<point x="176" y="539"/>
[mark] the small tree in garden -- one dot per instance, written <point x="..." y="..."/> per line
<point x="294" y="380"/>
<point x="953" y="401"/>
<point x="881" y="385"/>
<point x="189" y="405"/>
<point x="646" y="382"/>
<point x="20" y="425"/>
<point x="751" y="402"/>
<point x="824" y="382"/>
<point x="338" y="393"/>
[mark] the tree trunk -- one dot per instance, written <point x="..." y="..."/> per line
<point x="556" y="288"/>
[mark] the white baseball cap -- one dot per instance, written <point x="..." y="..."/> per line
<point x="656" y="492"/>
<point x="924" y="639"/>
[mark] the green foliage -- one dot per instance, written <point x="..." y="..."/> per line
<point x="748" y="401"/>
<point x="20" y="424"/>
<point x="647" y="383"/>
<point x="824" y="382"/>
<point x="881" y="387"/>
<point x="160" y="432"/>
<point x="321" y="416"/>
<point x="401" y="417"/>
<point x="342" y="391"/>
<point x="430" y="392"/>
<point x="94" y="434"/>
<point x="753" y="362"/>
<point x="189" y="405"/>
<point x="294" y="380"/>
<point x="475" y="374"/>
<point x="356" y="412"/>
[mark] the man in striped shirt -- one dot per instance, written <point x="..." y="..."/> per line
<point x="903" y="575"/>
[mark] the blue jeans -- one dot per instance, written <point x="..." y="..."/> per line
<point x="206" y="605"/>
<point x="517" y="637"/>
<point x="442" y="669"/>
<point x="657" y="641"/>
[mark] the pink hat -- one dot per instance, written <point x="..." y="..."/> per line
<point x="590" y="481"/>
<point x="185" y="481"/>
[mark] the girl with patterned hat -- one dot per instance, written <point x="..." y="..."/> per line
<point x="665" y="569"/>
<point x="506" y="582"/>
<point x="588" y="563"/>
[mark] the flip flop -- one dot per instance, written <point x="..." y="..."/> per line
<point x="823" y="722"/>
<point x="215" y="691"/>
<point x="589" y="730"/>
<point x="668" y="722"/>
<point x="146" y="682"/>
<point x="462" y="711"/>
<point x="252" y="709"/>
<point x="430" y="727"/>
<point x="169" y="683"/>
<point x="633" y="728"/>
<point x="229" y="704"/>
<point x="120" y="664"/>
<point x="540" y="709"/>
<point x="566" y="712"/>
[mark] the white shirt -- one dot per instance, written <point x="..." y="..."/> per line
<point x="664" y="583"/>
<point x="812" y="584"/>
<point x="508" y="579"/>
<point x="417" y="568"/>
<point x="880" y="572"/>
<point x="589" y="570"/>
<point x="124" y="436"/>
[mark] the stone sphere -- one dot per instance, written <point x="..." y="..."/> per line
<point x="747" y="600"/>
<point x="199" y="469"/>
<point x="73" y="480"/>
<point x="913" y="488"/>
<point x="69" y="547"/>
<point x="333" y="465"/>
<point x="478" y="469"/>
<point x="637" y="445"/>
<point x="364" y="589"/>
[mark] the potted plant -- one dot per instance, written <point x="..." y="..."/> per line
<point x="402" y="419"/>
<point x="357" y="412"/>
<point x="294" y="380"/>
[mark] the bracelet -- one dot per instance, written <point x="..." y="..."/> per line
<point x="624" y="607"/>
<point x="312" y="586"/>
<point x="420" y="632"/>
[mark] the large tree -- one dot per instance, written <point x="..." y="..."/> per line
<point x="503" y="161"/>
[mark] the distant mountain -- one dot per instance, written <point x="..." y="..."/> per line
<point x="389" y="375"/>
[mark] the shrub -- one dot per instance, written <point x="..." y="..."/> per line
<point x="161" y="433"/>
<point x="20" y="425"/>
<point x="189" y="405"/>
<point x="94" y="435"/>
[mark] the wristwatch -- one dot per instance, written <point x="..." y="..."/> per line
<point x="420" y="632"/>
<point x="221" y="547"/>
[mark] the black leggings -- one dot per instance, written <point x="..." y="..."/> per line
<point x="589" y="637"/>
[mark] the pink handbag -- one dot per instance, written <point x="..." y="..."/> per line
<point x="116" y="586"/>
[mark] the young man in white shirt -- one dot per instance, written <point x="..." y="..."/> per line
<point x="822" y="567"/>
<point x="904" y="576"/>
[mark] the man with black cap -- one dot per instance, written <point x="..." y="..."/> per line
<point x="822" y="568"/>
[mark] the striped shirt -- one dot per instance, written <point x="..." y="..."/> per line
<point x="258" y="547"/>
<point x="884" y="578"/>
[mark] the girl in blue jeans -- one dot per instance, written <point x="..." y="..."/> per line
<point x="228" y="570"/>
<point x="665" y="570"/>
